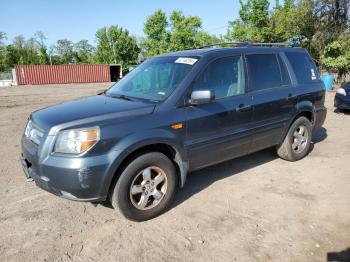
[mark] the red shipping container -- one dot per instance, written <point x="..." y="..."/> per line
<point x="64" y="74"/>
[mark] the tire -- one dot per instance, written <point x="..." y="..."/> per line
<point x="146" y="187"/>
<point x="294" y="147"/>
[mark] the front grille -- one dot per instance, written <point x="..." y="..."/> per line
<point x="33" y="133"/>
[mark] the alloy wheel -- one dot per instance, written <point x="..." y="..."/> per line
<point x="300" y="139"/>
<point x="148" y="188"/>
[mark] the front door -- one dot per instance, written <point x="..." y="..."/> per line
<point x="217" y="131"/>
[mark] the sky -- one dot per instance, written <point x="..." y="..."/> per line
<point x="80" y="19"/>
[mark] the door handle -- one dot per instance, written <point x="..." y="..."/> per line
<point x="244" y="108"/>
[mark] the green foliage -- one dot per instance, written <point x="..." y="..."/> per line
<point x="285" y="24"/>
<point x="22" y="51"/>
<point x="255" y="12"/>
<point x="336" y="56"/>
<point x="293" y="21"/>
<point x="2" y="52"/>
<point x="83" y="52"/>
<point x="253" y="24"/>
<point x="204" y="38"/>
<point x="2" y="37"/>
<point x="43" y="56"/>
<point x="157" y="41"/>
<point x="65" y="49"/>
<point x="313" y="24"/>
<point x="179" y="32"/>
<point x="115" y="45"/>
<point x="184" y="31"/>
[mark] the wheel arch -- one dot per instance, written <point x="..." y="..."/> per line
<point x="167" y="148"/>
<point x="305" y="109"/>
<point x="305" y="113"/>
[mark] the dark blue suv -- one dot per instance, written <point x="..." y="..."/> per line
<point x="135" y="143"/>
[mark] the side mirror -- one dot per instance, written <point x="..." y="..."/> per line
<point x="199" y="97"/>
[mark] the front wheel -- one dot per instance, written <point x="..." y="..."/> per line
<point x="146" y="187"/>
<point x="297" y="142"/>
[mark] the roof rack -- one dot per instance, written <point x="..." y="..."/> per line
<point x="247" y="44"/>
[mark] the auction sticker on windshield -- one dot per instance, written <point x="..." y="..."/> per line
<point x="186" y="60"/>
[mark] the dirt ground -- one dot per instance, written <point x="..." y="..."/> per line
<point x="255" y="208"/>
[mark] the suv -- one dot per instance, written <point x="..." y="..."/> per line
<point x="135" y="143"/>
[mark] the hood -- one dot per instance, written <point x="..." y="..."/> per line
<point x="95" y="108"/>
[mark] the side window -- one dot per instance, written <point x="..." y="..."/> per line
<point x="304" y="68"/>
<point x="284" y="73"/>
<point x="264" y="71"/>
<point x="224" y="77"/>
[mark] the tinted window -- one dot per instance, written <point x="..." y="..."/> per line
<point x="284" y="73"/>
<point x="224" y="77"/>
<point x="303" y="67"/>
<point x="264" y="71"/>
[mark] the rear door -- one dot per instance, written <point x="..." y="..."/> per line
<point x="308" y="83"/>
<point x="217" y="131"/>
<point x="273" y="96"/>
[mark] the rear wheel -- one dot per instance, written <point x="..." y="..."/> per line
<point x="146" y="187"/>
<point x="297" y="142"/>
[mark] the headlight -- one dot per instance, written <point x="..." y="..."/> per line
<point x="341" y="91"/>
<point x="33" y="133"/>
<point x="77" y="141"/>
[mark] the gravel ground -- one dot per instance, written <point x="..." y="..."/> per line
<point x="255" y="208"/>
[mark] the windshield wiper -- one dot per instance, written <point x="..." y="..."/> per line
<point x="124" y="97"/>
<point x="130" y="98"/>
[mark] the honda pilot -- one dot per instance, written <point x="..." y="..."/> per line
<point x="135" y="143"/>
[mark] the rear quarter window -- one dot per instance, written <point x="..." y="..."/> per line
<point x="304" y="68"/>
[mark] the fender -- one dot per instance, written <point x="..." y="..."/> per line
<point x="135" y="141"/>
<point x="301" y="106"/>
<point x="306" y="106"/>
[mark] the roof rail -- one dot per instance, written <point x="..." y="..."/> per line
<point x="247" y="44"/>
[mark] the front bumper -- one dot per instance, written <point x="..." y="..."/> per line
<point x="342" y="102"/>
<point x="74" y="178"/>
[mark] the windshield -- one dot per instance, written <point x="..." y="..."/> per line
<point x="154" y="80"/>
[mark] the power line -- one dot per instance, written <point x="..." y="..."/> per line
<point x="217" y="28"/>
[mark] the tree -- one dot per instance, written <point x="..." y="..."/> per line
<point x="253" y="23"/>
<point x="22" y="51"/>
<point x="17" y="52"/>
<point x="336" y="57"/>
<point x="204" y="38"/>
<point x="31" y="52"/>
<point x="309" y="23"/>
<point x="64" y="48"/>
<point x="43" y="56"/>
<point x="115" y="45"/>
<point x="155" y="28"/>
<point x="3" y="66"/>
<point x="54" y="58"/>
<point x="83" y="52"/>
<point x="331" y="21"/>
<point x="2" y="38"/>
<point x="176" y="33"/>
<point x="184" y="31"/>
<point x="287" y="23"/>
<point x="293" y="21"/>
